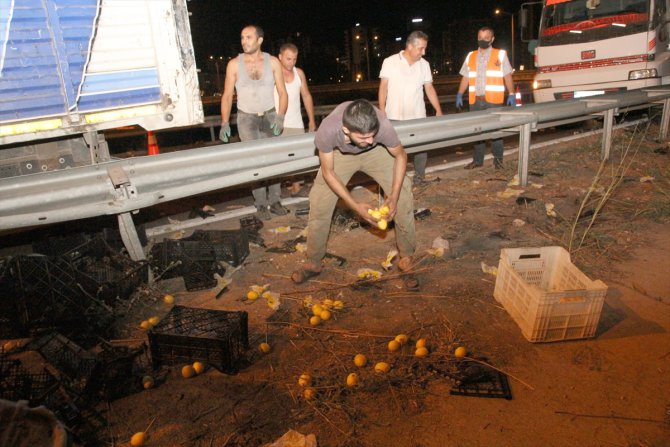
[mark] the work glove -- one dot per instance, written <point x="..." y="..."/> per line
<point x="278" y="125"/>
<point x="459" y="100"/>
<point x="511" y="99"/>
<point x="224" y="133"/>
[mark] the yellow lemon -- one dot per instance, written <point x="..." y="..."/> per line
<point x="147" y="382"/>
<point x="138" y="439"/>
<point x="421" y="352"/>
<point x="315" y="320"/>
<point x="325" y="315"/>
<point x="401" y="338"/>
<point x="384" y="210"/>
<point x="370" y="211"/>
<point x="394" y="345"/>
<point x="309" y="393"/>
<point x="382" y="224"/>
<point x="264" y="347"/>
<point x="304" y="380"/>
<point x="317" y="309"/>
<point x="153" y="321"/>
<point x="145" y="325"/>
<point x="338" y="304"/>
<point x="376" y="214"/>
<point x="352" y="379"/>
<point x="198" y="367"/>
<point x="252" y="295"/>
<point x="360" y="360"/>
<point x="187" y="372"/>
<point x="168" y="299"/>
<point x="460" y="352"/>
<point x="421" y="343"/>
<point x="382" y="367"/>
<point x="327" y="303"/>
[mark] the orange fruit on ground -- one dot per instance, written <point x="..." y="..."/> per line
<point x="317" y="309"/>
<point x="153" y="321"/>
<point x="304" y="380"/>
<point x="394" y="345"/>
<point x="309" y="393"/>
<point x="360" y="360"/>
<point x="325" y="315"/>
<point x="199" y="367"/>
<point x="421" y="343"/>
<point x="460" y="352"/>
<point x="252" y="295"/>
<point x="168" y="299"/>
<point x="401" y="338"/>
<point x="352" y="379"/>
<point x="187" y="372"/>
<point x="138" y="439"/>
<point x="147" y="382"/>
<point x="382" y="367"/>
<point x="145" y="325"/>
<point x="264" y="348"/>
<point x="315" y="320"/>
<point x="421" y="352"/>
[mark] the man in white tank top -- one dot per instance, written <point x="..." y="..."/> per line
<point x="255" y="75"/>
<point x="296" y="87"/>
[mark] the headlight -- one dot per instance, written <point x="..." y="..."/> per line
<point x="642" y="74"/>
<point x="541" y="83"/>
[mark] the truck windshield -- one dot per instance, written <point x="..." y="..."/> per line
<point x="580" y="21"/>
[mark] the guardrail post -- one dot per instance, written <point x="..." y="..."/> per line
<point x="524" y="152"/>
<point x="608" y="119"/>
<point x="130" y="238"/>
<point x="665" y="120"/>
<point x="211" y="133"/>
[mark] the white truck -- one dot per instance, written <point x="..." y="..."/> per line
<point x="72" y="68"/>
<point x="591" y="47"/>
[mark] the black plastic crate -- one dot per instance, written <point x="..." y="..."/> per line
<point x="18" y="384"/>
<point x="216" y="337"/>
<point x="194" y="260"/>
<point x="231" y="246"/>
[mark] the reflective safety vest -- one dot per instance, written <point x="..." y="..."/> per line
<point x="495" y="86"/>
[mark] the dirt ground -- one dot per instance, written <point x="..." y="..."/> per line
<point x="610" y="390"/>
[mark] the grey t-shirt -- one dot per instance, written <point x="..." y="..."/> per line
<point x="330" y="135"/>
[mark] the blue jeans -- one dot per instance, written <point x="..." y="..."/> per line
<point x="251" y="126"/>
<point x="480" y="148"/>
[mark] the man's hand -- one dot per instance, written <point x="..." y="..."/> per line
<point x="362" y="210"/>
<point x="392" y="204"/>
<point x="224" y="133"/>
<point x="459" y="100"/>
<point x="511" y="99"/>
<point x="278" y="125"/>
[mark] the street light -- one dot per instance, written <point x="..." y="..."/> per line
<point x="498" y="12"/>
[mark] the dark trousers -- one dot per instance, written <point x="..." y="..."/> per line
<point x="480" y="148"/>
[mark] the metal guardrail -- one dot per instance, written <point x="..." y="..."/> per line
<point x="119" y="187"/>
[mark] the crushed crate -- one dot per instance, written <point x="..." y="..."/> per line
<point x="79" y="367"/>
<point x="18" y="384"/>
<point x="47" y="294"/>
<point x="103" y="272"/>
<point x="548" y="296"/>
<point x="218" y="338"/>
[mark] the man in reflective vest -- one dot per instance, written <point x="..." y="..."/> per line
<point x="486" y="72"/>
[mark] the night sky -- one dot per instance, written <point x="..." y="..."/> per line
<point x="216" y="24"/>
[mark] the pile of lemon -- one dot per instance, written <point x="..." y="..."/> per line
<point x="323" y="311"/>
<point x="149" y="323"/>
<point x="379" y="214"/>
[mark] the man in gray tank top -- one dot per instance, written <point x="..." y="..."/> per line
<point x="254" y="76"/>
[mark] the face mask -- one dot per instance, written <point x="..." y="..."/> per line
<point x="483" y="44"/>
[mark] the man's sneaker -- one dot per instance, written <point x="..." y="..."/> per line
<point x="278" y="209"/>
<point x="418" y="181"/>
<point x="263" y="213"/>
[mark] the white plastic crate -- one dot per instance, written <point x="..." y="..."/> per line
<point x="548" y="297"/>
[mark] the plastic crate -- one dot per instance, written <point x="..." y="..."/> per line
<point x="548" y="297"/>
<point x="231" y="246"/>
<point x="186" y="334"/>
